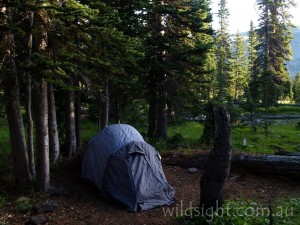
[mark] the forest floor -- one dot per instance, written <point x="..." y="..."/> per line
<point x="84" y="206"/>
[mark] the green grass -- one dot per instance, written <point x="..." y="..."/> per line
<point x="4" y="133"/>
<point x="5" y="148"/>
<point x="286" y="110"/>
<point x="24" y="204"/>
<point x="241" y="212"/>
<point x="89" y="129"/>
<point x="187" y="135"/>
<point x="281" y="136"/>
<point x="2" y="201"/>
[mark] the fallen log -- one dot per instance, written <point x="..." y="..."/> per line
<point x="283" y="117"/>
<point x="282" y="165"/>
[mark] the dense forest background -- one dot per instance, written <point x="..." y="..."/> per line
<point x="294" y="64"/>
<point x="136" y="62"/>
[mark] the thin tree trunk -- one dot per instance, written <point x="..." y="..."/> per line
<point x="105" y="105"/>
<point x="13" y="107"/>
<point x="152" y="118"/>
<point x="78" y="120"/>
<point x="70" y="124"/>
<point x="117" y="109"/>
<point x="42" y="135"/>
<point x="162" y="119"/>
<point x="29" y="103"/>
<point x="54" y="150"/>
<point x="152" y="113"/>
<point x="236" y="88"/>
<point x="30" y="128"/>
<point x="218" y="166"/>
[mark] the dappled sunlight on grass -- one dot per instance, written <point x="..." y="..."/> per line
<point x="187" y="134"/>
<point x="280" y="137"/>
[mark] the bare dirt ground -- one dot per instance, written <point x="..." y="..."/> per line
<point x="84" y="206"/>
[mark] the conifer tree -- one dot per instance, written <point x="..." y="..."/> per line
<point x="239" y="68"/>
<point x="253" y="90"/>
<point x="274" y="49"/>
<point x="223" y="54"/>
<point x="177" y="50"/>
<point x="296" y="88"/>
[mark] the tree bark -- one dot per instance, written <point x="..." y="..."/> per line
<point x="17" y="133"/>
<point x="70" y="124"/>
<point x="207" y="137"/>
<point x="29" y="103"/>
<point x="54" y="149"/>
<point x="162" y="110"/>
<point x="42" y="135"/>
<point x="105" y="105"/>
<point x="218" y="165"/>
<point x="162" y="120"/>
<point x="13" y="106"/>
<point x="78" y="120"/>
<point x="152" y="118"/>
<point x="30" y="147"/>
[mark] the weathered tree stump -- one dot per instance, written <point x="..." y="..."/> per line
<point x="218" y="165"/>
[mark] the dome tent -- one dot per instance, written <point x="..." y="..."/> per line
<point x="123" y="166"/>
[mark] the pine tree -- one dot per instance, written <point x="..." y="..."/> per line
<point x="296" y="88"/>
<point x="239" y="69"/>
<point x="177" y="49"/>
<point x="223" y="55"/>
<point x="253" y="90"/>
<point x="274" y="49"/>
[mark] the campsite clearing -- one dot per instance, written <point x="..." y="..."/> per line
<point x="85" y="206"/>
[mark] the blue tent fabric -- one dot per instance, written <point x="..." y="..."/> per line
<point x="102" y="146"/>
<point x="123" y="166"/>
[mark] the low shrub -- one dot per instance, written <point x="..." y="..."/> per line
<point x="23" y="204"/>
<point x="240" y="212"/>
<point x="298" y="125"/>
<point x="2" y="201"/>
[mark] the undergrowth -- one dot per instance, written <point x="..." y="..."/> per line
<point x="241" y="212"/>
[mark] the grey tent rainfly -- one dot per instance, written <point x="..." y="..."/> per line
<point x="126" y="168"/>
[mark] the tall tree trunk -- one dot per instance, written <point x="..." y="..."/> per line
<point x="117" y="110"/>
<point x="78" y="120"/>
<point x="30" y="128"/>
<point x="218" y="166"/>
<point x="152" y="119"/>
<point x="70" y="123"/>
<point x="42" y="135"/>
<point x="54" y="150"/>
<point x="29" y="103"/>
<point x="162" y="119"/>
<point x="13" y="106"/>
<point x="17" y="133"/>
<point x="105" y="105"/>
<point x="152" y="113"/>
